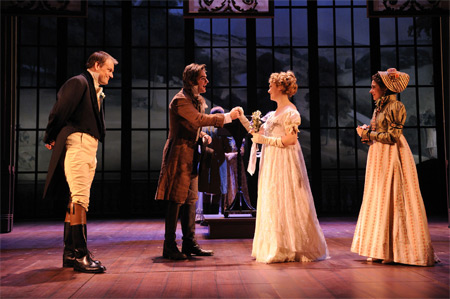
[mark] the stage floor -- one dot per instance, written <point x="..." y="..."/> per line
<point x="132" y="252"/>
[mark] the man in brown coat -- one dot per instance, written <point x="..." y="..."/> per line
<point x="178" y="180"/>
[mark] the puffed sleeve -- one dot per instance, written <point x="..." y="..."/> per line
<point x="395" y="118"/>
<point x="292" y="122"/>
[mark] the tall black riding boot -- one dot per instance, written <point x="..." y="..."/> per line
<point x="170" y="250"/>
<point x="68" y="254"/>
<point x="83" y="261"/>
<point x="190" y="245"/>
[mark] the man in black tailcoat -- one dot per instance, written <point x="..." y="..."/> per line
<point x="75" y="125"/>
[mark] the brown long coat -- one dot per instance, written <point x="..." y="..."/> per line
<point x="186" y="117"/>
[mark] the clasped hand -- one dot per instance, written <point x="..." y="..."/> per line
<point x="360" y="129"/>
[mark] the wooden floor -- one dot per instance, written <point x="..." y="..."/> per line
<point x="131" y="250"/>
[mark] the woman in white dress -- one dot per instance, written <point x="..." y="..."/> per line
<point x="392" y="224"/>
<point x="287" y="228"/>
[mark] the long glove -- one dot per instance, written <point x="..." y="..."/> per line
<point x="274" y="141"/>
<point x="243" y="119"/>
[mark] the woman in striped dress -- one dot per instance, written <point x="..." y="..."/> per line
<point x="392" y="224"/>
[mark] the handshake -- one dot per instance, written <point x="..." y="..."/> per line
<point x="236" y="112"/>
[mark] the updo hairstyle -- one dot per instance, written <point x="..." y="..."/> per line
<point x="286" y="80"/>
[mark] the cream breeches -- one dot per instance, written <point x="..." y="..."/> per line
<point x="79" y="166"/>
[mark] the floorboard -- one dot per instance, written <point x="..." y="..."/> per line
<point x="31" y="258"/>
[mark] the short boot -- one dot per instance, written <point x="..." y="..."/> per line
<point x="68" y="254"/>
<point x="190" y="245"/>
<point x="83" y="261"/>
<point x="170" y="250"/>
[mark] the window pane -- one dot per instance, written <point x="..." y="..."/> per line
<point x="44" y="154"/>
<point x="327" y="107"/>
<point x="157" y="142"/>
<point x="263" y="32"/>
<point x="387" y="31"/>
<point x="412" y="137"/>
<point x="94" y="30"/>
<point x="48" y="31"/>
<point x="328" y="148"/>
<point x="28" y="66"/>
<point x="203" y="55"/>
<point x="388" y="58"/>
<point x="407" y="63"/>
<point x="363" y="77"/>
<point x="29" y="33"/>
<point x="139" y="150"/>
<point x="408" y="98"/>
<point x="176" y="67"/>
<point x="158" y="27"/>
<point x="325" y="26"/>
<point x="239" y="67"/>
<point x="343" y="28"/>
<point x="429" y="144"/>
<point x="281" y="27"/>
<point x="158" y="73"/>
<point x="220" y="67"/>
<point x="299" y="27"/>
<point x="425" y="66"/>
<point x="263" y="67"/>
<point x="300" y="66"/>
<point x="26" y="151"/>
<point x="139" y="108"/>
<point x="219" y="32"/>
<point x="282" y="59"/>
<point x="344" y="66"/>
<point x="238" y="32"/>
<point x="176" y="28"/>
<point x="27" y="108"/>
<point x="361" y="26"/>
<point x="202" y="32"/>
<point x="158" y="108"/>
<point x="47" y="98"/>
<point x="113" y="32"/>
<point x="326" y="67"/>
<point x="221" y="97"/>
<point x="364" y="108"/>
<point x="239" y="98"/>
<point x="424" y="31"/>
<point x="345" y="107"/>
<point x="113" y="149"/>
<point x="113" y="111"/>
<point x="427" y="107"/>
<point x="347" y="148"/>
<point x="75" y="29"/>
<point x="139" y="69"/>
<point x="75" y="61"/>
<point x="139" y="27"/>
<point x="405" y="31"/>
<point x="301" y="101"/>
<point x="48" y="62"/>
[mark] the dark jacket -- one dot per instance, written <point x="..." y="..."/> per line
<point x="76" y="110"/>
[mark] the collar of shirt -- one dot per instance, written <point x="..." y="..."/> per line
<point x="95" y="75"/>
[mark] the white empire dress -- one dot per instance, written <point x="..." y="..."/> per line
<point x="287" y="228"/>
